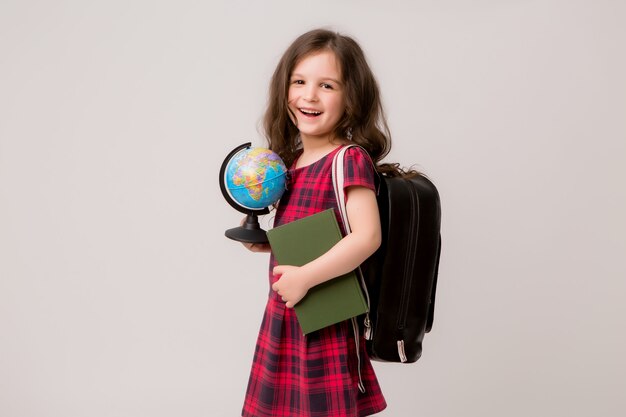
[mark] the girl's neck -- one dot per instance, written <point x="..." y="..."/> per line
<point x="317" y="144"/>
<point x="314" y="149"/>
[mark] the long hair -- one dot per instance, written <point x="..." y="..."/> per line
<point x="364" y="114"/>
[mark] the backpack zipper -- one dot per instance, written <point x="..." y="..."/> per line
<point x="367" y="323"/>
<point x="401" y="351"/>
<point x="407" y="276"/>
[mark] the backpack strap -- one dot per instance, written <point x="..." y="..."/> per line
<point x="337" y="172"/>
<point x="338" y="181"/>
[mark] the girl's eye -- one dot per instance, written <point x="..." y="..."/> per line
<point x="327" y="86"/>
<point x="299" y="82"/>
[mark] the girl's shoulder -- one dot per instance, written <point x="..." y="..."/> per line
<point x="358" y="155"/>
<point x="359" y="168"/>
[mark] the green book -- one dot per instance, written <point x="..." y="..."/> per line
<point x="302" y="241"/>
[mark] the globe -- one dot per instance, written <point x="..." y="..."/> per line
<point x="255" y="178"/>
<point x="251" y="180"/>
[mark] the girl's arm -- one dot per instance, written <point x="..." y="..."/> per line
<point x="344" y="257"/>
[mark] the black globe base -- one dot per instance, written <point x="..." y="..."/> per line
<point x="250" y="232"/>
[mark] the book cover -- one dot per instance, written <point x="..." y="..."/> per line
<point x="303" y="240"/>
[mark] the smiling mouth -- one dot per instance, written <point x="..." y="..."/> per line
<point x="309" y="112"/>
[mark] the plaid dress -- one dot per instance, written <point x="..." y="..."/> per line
<point x="315" y="375"/>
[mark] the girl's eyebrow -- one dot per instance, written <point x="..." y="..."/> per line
<point x="321" y="79"/>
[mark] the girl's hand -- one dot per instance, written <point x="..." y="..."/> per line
<point x="291" y="285"/>
<point x="257" y="247"/>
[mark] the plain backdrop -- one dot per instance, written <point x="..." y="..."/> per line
<point x="119" y="294"/>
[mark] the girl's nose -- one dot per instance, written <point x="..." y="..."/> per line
<point x="310" y="94"/>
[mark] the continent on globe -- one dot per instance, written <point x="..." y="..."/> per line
<point x="252" y="169"/>
<point x="255" y="177"/>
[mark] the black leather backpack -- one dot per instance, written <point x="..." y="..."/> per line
<point x="401" y="276"/>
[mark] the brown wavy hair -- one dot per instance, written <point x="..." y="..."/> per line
<point x="364" y="114"/>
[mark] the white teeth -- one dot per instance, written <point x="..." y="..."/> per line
<point x="316" y="113"/>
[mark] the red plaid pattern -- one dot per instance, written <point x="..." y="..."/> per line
<point x="317" y="375"/>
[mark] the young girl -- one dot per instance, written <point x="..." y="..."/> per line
<point x="322" y="95"/>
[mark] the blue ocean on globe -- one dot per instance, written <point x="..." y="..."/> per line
<point x="255" y="178"/>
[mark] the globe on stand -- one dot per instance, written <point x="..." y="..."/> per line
<point x="251" y="180"/>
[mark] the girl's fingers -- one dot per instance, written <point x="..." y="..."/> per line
<point x="257" y="247"/>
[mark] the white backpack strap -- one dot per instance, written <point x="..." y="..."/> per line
<point x="337" y="172"/>
<point x="338" y="181"/>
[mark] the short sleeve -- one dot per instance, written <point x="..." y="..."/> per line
<point x="358" y="169"/>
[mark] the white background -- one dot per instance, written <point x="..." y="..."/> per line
<point x="119" y="294"/>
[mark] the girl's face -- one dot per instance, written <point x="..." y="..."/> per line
<point x="316" y="95"/>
